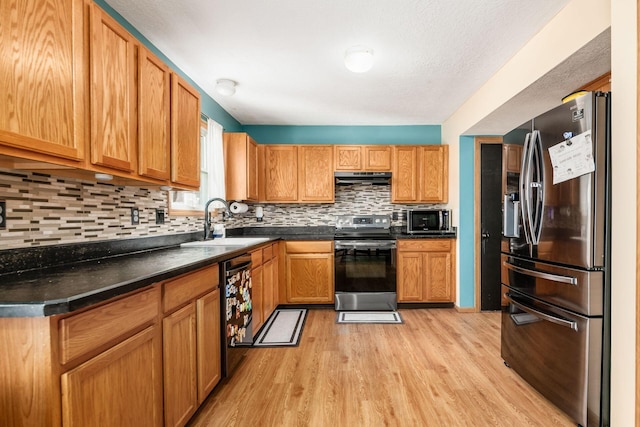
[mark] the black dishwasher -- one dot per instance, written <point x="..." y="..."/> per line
<point x="236" y="312"/>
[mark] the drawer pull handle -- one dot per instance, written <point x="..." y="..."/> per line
<point x="542" y="274"/>
<point x="553" y="319"/>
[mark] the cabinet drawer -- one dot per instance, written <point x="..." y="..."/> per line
<point x="186" y="288"/>
<point x="267" y="252"/>
<point x="256" y="258"/>
<point x="301" y="247"/>
<point x="440" y="245"/>
<point x="91" y="329"/>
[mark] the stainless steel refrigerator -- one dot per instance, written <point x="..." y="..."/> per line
<point x="556" y="257"/>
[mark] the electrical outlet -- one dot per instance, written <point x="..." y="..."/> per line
<point x="159" y="216"/>
<point x="135" y="216"/>
<point x="3" y="214"/>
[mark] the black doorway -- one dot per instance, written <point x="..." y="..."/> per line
<point x="490" y="225"/>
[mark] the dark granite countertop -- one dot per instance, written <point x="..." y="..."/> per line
<point x="60" y="279"/>
<point x="63" y="289"/>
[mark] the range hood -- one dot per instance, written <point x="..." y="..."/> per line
<point x="367" y="178"/>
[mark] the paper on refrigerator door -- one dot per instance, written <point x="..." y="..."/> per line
<point x="572" y="158"/>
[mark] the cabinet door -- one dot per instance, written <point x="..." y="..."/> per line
<point x="281" y="173"/>
<point x="315" y="173"/>
<point x="42" y="77"/>
<point x="348" y="157"/>
<point x="154" y="154"/>
<point x="377" y="157"/>
<point x="405" y="176"/>
<point x="241" y="166"/>
<point x="268" y="304"/>
<point x="180" y="383"/>
<point x="113" y="93"/>
<point x="257" y="297"/>
<point x="185" y="133"/>
<point x="437" y="272"/>
<point x="252" y="169"/>
<point x="309" y="278"/>
<point x="434" y="172"/>
<point x="209" y="343"/>
<point x="512" y="154"/>
<point x="410" y="277"/>
<point x="120" y="387"/>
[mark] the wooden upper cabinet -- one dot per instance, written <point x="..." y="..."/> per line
<point x="241" y="166"/>
<point x="154" y="96"/>
<point x="315" y="173"/>
<point x="348" y="157"/>
<point x="434" y="172"/>
<point x="281" y="173"/>
<point x="511" y="157"/>
<point x="43" y="104"/>
<point x="113" y="93"/>
<point x="185" y="133"/>
<point x="363" y="158"/>
<point x="420" y="174"/>
<point x="377" y="157"/>
<point x="404" y="185"/>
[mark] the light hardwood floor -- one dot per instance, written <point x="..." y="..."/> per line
<point x="439" y="368"/>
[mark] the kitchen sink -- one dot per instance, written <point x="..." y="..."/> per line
<point x="228" y="241"/>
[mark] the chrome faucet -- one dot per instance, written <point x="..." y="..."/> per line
<point x="207" y="221"/>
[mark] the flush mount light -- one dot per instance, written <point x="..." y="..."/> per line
<point x="226" y="87"/>
<point x="166" y="188"/>
<point x="103" y="176"/>
<point x="358" y="59"/>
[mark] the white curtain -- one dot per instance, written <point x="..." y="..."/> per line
<point x="216" y="157"/>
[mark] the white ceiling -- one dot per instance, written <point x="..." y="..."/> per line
<point x="287" y="55"/>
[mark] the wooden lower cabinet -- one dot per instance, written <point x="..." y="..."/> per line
<point x="264" y="282"/>
<point x="426" y="270"/>
<point x="112" y="364"/>
<point x="309" y="272"/>
<point x="180" y="387"/>
<point x="121" y="386"/>
<point x="191" y="343"/>
<point x="208" y="358"/>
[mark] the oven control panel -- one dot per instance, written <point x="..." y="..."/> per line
<point x="363" y="221"/>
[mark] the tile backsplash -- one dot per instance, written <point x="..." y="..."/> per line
<point x="49" y="210"/>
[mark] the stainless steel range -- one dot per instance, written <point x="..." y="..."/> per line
<point x="365" y="263"/>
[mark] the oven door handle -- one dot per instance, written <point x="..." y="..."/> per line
<point x="542" y="274"/>
<point x="364" y="246"/>
<point x="548" y="317"/>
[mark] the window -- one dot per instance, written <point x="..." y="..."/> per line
<point x="191" y="203"/>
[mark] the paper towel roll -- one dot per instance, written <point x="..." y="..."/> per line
<point x="238" y="208"/>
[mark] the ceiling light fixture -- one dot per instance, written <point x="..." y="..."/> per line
<point x="226" y="87"/>
<point x="358" y="59"/>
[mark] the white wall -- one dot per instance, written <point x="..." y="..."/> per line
<point x="624" y="89"/>
<point x="519" y="73"/>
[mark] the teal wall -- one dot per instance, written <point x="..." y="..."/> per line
<point x="208" y="106"/>
<point x="271" y="134"/>
<point x="466" y="222"/>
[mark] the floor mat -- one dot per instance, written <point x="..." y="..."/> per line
<point x="283" y="328"/>
<point x="369" y="317"/>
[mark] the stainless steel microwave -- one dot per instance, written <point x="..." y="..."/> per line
<point x="421" y="221"/>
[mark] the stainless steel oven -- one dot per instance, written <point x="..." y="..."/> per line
<point x="365" y="264"/>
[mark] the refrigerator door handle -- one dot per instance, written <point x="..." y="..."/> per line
<point x="570" y="280"/>
<point x="538" y="187"/>
<point x="548" y="317"/>
<point x="525" y="188"/>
